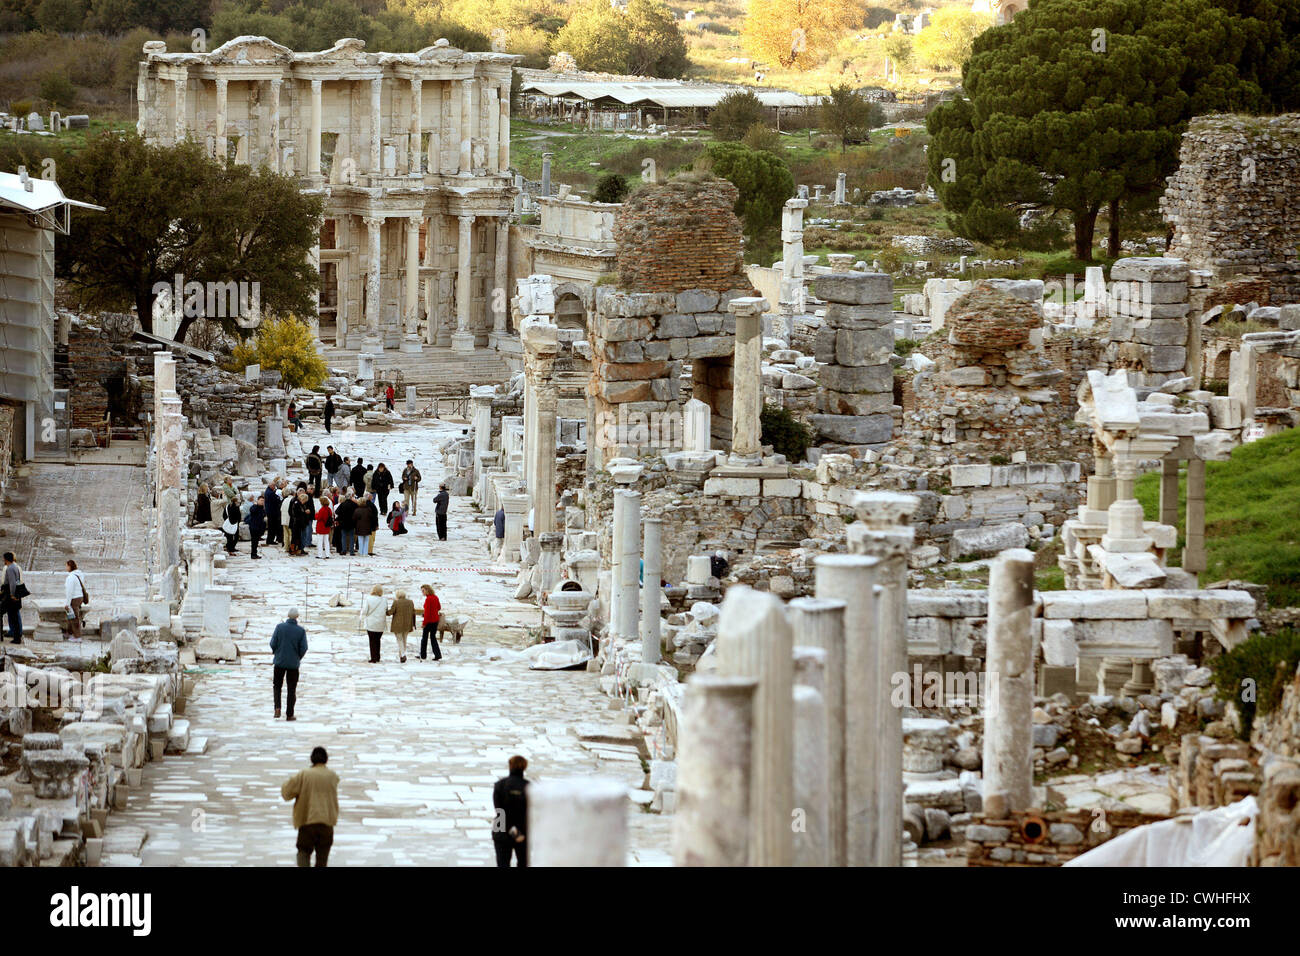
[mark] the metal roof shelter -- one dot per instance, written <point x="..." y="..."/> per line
<point x="670" y="94"/>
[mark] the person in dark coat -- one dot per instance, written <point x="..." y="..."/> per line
<point x="203" y="506"/>
<point x="300" y="517"/>
<point x="358" y="478"/>
<point x="233" y="517"/>
<point x="440" y="503"/>
<point x="510" y="822"/>
<point x="329" y="414"/>
<point x="366" y="521"/>
<point x="271" y="505"/>
<point x="289" y="646"/>
<point x="499" y="528"/>
<point x="346" y="519"/>
<point x="381" y="483"/>
<point x="332" y="461"/>
<point x="313" y="470"/>
<point x="257" y="524"/>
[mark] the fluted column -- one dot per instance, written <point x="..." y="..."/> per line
<point x="182" y="83"/>
<point x="313" y="141"/>
<point x="412" y="302"/>
<point x="273" y="140"/>
<point x="503" y="127"/>
<point x="491" y="112"/>
<point x="466" y="126"/>
<point x="417" y="126"/>
<point x="373" y="266"/>
<point x="463" y="339"/>
<point x="376" y="105"/>
<point x="222" y="146"/>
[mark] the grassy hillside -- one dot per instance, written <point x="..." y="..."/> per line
<point x="1252" y="515"/>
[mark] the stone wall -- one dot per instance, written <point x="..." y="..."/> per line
<point x="1150" y="331"/>
<point x="1231" y="201"/>
<point x="1042" y="838"/>
<point x="680" y="235"/>
<point x="853" y="350"/>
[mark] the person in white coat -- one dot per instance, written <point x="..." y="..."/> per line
<point x="75" y="597"/>
<point x="374" y="612"/>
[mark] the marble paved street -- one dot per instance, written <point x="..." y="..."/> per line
<point x="417" y="745"/>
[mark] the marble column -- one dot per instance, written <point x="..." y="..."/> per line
<point x="1125" y="529"/>
<point x="629" y="566"/>
<point x="501" y="278"/>
<point x="314" y="133"/>
<point x="1169" y="491"/>
<point x="1101" y="487"/>
<point x="516" y="508"/>
<point x="851" y="578"/>
<point x="273" y="140"/>
<point x="747" y="380"/>
<point x="1195" y="558"/>
<point x="412" y="295"/>
<point x="882" y="531"/>
<point x="463" y="339"/>
<point x="714" y="772"/>
<point x="546" y="174"/>
<point x="376" y="122"/>
<point x="818" y="623"/>
<point x="181" y="81"/>
<point x="755" y="641"/>
<point x="811" y="831"/>
<point x="374" y="265"/>
<point x="578" y="822"/>
<point x="542" y="483"/>
<point x="1009" y="685"/>
<point x="466" y="126"/>
<point x="417" y="127"/>
<point x="651" y="591"/>
<point x="480" y="397"/>
<point x="223" y="148"/>
<point x="503" y="128"/>
<point x="492" y="127"/>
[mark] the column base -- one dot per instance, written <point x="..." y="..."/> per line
<point x="372" y="344"/>
<point x="412" y="344"/>
<point x="462" y="342"/>
<point x="744" y="461"/>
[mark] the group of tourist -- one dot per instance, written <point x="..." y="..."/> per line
<point x="377" y="615"/>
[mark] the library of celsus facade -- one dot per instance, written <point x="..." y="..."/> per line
<point x="409" y="150"/>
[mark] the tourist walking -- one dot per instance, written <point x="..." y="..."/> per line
<point x="313" y="470"/>
<point x="288" y="647"/>
<point x="315" y="796"/>
<point x="230" y="526"/>
<point x="202" y="507"/>
<point x="329" y="412"/>
<point x="432" y="612"/>
<point x="256" y="524"/>
<point x="76" y="598"/>
<point x="12" y="591"/>
<point x="357" y="477"/>
<point x="499" y="529"/>
<point x="381" y="483"/>
<point x="324" y="525"/>
<point x="510" y="821"/>
<point x="440" y="503"/>
<point x="410" y="486"/>
<point x="397" y="519"/>
<point x="373" y="610"/>
<point x="389" y="396"/>
<point x="345" y="516"/>
<point x="293" y="417"/>
<point x="366" y="520"/>
<point x="403" y="621"/>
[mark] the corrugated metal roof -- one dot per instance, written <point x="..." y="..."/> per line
<point x="44" y="194"/>
<point x="667" y="93"/>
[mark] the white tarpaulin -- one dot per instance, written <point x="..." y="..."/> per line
<point x="1222" y="837"/>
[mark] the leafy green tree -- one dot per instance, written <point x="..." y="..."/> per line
<point x="60" y="16"/>
<point x="172" y="210"/>
<point x="849" y="115"/>
<point x="735" y="114"/>
<point x="945" y="44"/>
<point x="1080" y="104"/>
<point x="57" y="90"/>
<point x="642" y="39"/>
<point x="610" y="188"/>
<point x="285" y="345"/>
<point x="596" y="38"/>
<point x="899" y="48"/>
<point x="656" y="45"/>
<point x="764" y="182"/>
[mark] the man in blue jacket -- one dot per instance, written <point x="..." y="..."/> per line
<point x="271" y="499"/>
<point x="289" y="645"/>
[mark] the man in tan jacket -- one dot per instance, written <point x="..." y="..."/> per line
<point x="315" y="796"/>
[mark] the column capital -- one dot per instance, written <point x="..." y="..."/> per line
<point x="414" y="222"/>
<point x="222" y="84"/>
<point x="315" y="87"/>
<point x="373" y="222"/>
<point x="466" y="219"/>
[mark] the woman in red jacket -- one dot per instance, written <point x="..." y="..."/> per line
<point x="324" y="525"/>
<point x="432" y="608"/>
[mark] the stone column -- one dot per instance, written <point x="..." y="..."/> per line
<point x="376" y="122"/>
<point x="651" y="591"/>
<point x="578" y="822"/>
<point x="1124" y="526"/>
<point x="747" y="381"/>
<point x="223" y="148"/>
<point x="851" y="578"/>
<point x="466" y="126"/>
<point x="1169" y="491"/>
<point x="412" y="294"/>
<point x="491" y="114"/>
<point x="417" y="127"/>
<point x="1009" y="685"/>
<point x="629" y="566"/>
<point x="314" y="133"/>
<point x="463" y="339"/>
<point x="818" y="623"/>
<point x="374" y="264"/>
<point x="882" y="532"/>
<point x="696" y="435"/>
<point x="543" y="480"/>
<point x="503" y="127"/>
<point x="273" y="141"/>
<point x="182" y="80"/>
<point x="1101" y="487"/>
<point x="546" y="174"/>
<point x="755" y="641"/>
<point x="792" y="291"/>
<point x="501" y="278"/>
<point x="811" y="827"/>
<point x="841" y="193"/>
<point x="714" y="772"/>
<point x="516" y="508"/>
<point x="480" y="397"/>
<point x="1195" y="558"/>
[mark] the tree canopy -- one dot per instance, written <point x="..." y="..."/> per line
<point x="764" y="182"/>
<point x="797" y="34"/>
<point x="848" y="115"/>
<point x="641" y="39"/>
<point x="945" y="44"/>
<point x="735" y="114"/>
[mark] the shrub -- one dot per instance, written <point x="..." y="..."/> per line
<point x="1263" y="664"/>
<point x="610" y="188"/>
<point x="287" y="346"/>
<point x="760" y="136"/>
<point x="786" y="434"/>
<point x="735" y="114"/>
<point x="57" y="90"/>
<point x="1218" y="386"/>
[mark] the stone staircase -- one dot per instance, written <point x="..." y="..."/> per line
<point x="433" y="371"/>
